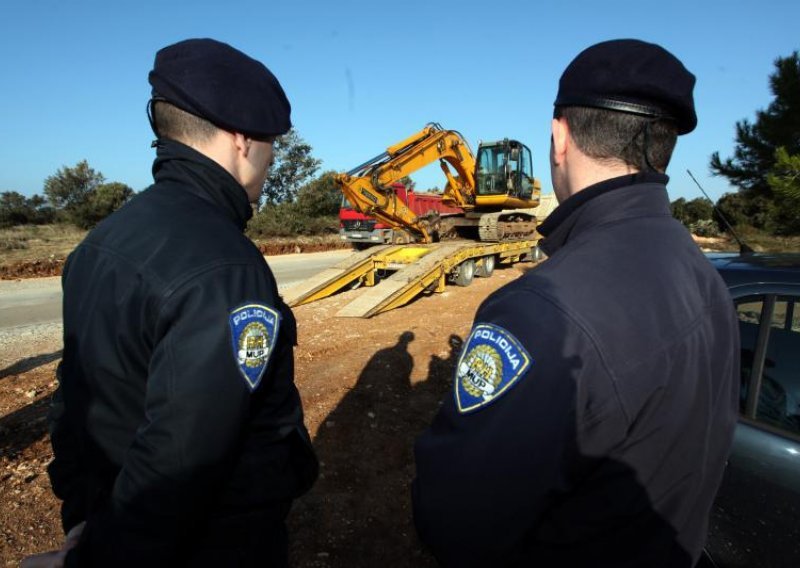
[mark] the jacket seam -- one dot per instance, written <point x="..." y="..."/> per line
<point x="150" y="274"/>
<point x="175" y="285"/>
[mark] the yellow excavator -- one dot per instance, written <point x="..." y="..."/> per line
<point x="496" y="191"/>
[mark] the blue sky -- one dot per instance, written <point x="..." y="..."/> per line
<point x="364" y="75"/>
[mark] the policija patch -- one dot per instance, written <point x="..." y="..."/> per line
<point x="492" y="362"/>
<point x="254" y="329"/>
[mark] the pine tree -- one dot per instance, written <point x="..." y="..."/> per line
<point x="764" y="152"/>
<point x="757" y="142"/>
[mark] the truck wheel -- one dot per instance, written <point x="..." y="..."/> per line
<point x="465" y="273"/>
<point x="485" y="266"/>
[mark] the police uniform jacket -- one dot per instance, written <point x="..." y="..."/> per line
<point x="594" y="402"/>
<point x="163" y="442"/>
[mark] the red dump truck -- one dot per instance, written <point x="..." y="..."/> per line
<point x="363" y="231"/>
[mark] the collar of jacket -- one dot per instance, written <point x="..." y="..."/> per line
<point x="199" y="174"/>
<point x="643" y="193"/>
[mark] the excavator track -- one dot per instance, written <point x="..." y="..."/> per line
<point x="506" y="225"/>
<point x="488" y="227"/>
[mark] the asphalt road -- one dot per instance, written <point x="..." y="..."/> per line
<point x="38" y="300"/>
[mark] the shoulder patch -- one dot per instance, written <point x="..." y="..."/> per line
<point x="254" y="329"/>
<point x="491" y="363"/>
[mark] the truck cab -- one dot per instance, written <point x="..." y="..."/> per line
<point x="362" y="230"/>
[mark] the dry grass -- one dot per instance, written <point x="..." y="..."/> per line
<point x="762" y="242"/>
<point x="31" y="251"/>
<point x="302" y="243"/>
<point x="29" y="243"/>
<point x="50" y="244"/>
<point x="757" y="240"/>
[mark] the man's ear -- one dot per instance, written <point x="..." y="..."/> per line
<point x="242" y="143"/>
<point x="560" y="132"/>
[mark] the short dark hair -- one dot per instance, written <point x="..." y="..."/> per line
<point x="172" y="122"/>
<point x="608" y="135"/>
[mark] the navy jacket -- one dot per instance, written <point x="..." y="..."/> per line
<point x="608" y="448"/>
<point x="161" y="438"/>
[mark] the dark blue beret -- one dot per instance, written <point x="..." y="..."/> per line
<point x="214" y="81"/>
<point x="633" y="76"/>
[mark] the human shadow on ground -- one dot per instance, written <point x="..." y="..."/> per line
<point x="359" y="511"/>
<point x="30" y="363"/>
<point x="23" y="427"/>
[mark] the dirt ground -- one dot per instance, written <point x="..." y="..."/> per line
<point x="369" y="387"/>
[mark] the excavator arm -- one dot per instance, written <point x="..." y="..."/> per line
<point x="368" y="187"/>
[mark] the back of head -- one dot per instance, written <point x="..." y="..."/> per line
<point x="203" y="84"/>
<point x="627" y="101"/>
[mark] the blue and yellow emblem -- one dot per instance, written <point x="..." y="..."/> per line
<point x="254" y="329"/>
<point x="492" y="362"/>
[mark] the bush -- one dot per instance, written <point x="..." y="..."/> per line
<point x="16" y="209"/>
<point x="747" y="209"/>
<point x="691" y="212"/>
<point x="99" y="204"/>
<point x="315" y="211"/>
<point x="320" y="197"/>
<point x="287" y="220"/>
<point x="81" y="196"/>
<point x="705" y="228"/>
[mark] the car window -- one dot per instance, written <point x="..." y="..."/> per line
<point x="786" y="314"/>
<point x="749" y="309"/>
<point x="779" y="399"/>
<point x="771" y="369"/>
<point x="749" y="312"/>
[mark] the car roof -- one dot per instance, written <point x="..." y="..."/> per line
<point x="740" y="269"/>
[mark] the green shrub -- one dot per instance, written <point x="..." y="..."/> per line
<point x="16" y="209"/>
<point x="705" y="228"/>
<point x="287" y="220"/>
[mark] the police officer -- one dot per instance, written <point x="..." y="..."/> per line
<point x="595" y="399"/>
<point x="177" y="429"/>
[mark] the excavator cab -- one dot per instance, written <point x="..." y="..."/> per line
<point x="504" y="168"/>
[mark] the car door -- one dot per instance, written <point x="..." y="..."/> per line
<point x="756" y="517"/>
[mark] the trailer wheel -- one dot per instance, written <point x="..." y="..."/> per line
<point x="465" y="273"/>
<point x="485" y="266"/>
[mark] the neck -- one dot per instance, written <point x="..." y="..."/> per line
<point x="588" y="172"/>
<point x="219" y="149"/>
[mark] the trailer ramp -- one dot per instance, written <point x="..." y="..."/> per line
<point x="419" y="268"/>
<point x="356" y="268"/>
<point x="427" y="273"/>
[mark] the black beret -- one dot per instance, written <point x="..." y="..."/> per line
<point x="633" y="76"/>
<point x="219" y="83"/>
